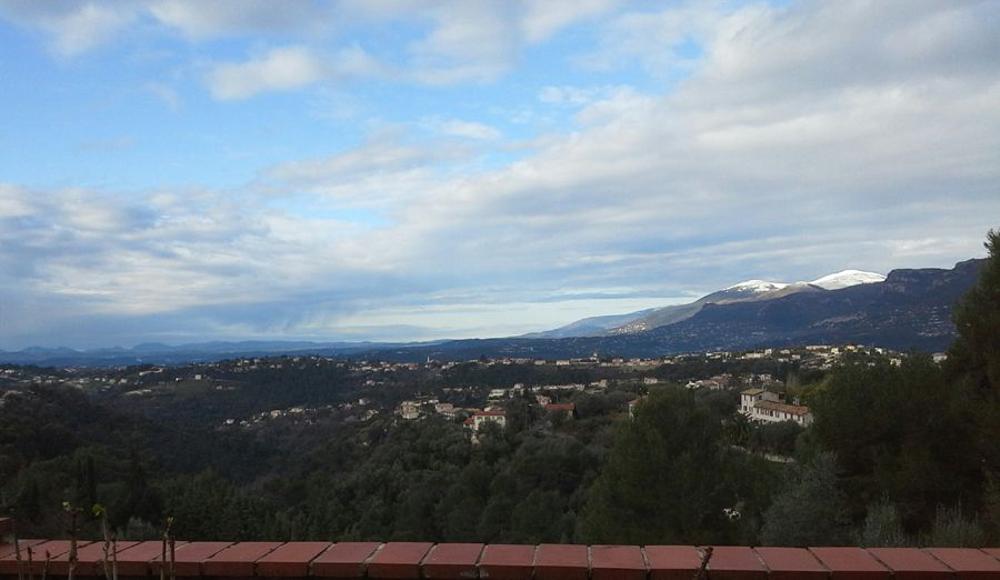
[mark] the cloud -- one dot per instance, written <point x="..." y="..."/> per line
<point x="664" y="42"/>
<point x="466" y="129"/>
<point x="75" y="28"/>
<point x="200" y="20"/>
<point x="569" y="96"/>
<point x="281" y="69"/>
<point x="543" y="19"/>
<point x="481" y="41"/>
<point x="165" y="94"/>
<point x="679" y="187"/>
<point x="803" y="139"/>
<point x="288" y="68"/>
<point x="385" y="174"/>
<point x="459" y="42"/>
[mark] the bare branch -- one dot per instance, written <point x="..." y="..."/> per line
<point x="702" y="573"/>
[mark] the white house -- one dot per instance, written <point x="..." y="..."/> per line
<point x="497" y="417"/>
<point x="409" y="410"/>
<point x="481" y="418"/>
<point x="497" y="394"/>
<point x="567" y="410"/>
<point x="764" y="405"/>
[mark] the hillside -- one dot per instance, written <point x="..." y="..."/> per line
<point x="911" y="309"/>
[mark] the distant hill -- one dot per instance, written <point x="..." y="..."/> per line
<point x="748" y="291"/>
<point x="593" y="326"/>
<point x="909" y="309"/>
<point x="163" y="354"/>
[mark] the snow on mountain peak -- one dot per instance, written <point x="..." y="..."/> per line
<point x="758" y="286"/>
<point x="847" y="278"/>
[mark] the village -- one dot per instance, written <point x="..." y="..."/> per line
<point x="411" y="391"/>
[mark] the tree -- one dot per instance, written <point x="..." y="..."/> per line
<point x="140" y="500"/>
<point x="28" y="503"/>
<point x="900" y="431"/>
<point x="975" y="354"/>
<point x="777" y="438"/>
<point x="664" y="481"/>
<point x="882" y="527"/>
<point x="952" y="529"/>
<point x="85" y="482"/>
<point x="974" y="362"/>
<point x="812" y="511"/>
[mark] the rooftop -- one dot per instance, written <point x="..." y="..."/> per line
<point x="782" y="407"/>
<point x="466" y="561"/>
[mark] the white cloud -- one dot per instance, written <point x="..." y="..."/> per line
<point x="12" y="205"/>
<point x="385" y="174"/>
<point x="200" y="20"/>
<point x="543" y="18"/>
<point x="165" y="94"/>
<point x="468" y="129"/>
<point x="568" y="96"/>
<point x="280" y="69"/>
<point x="656" y="39"/>
<point x="464" y="41"/>
<point x="806" y="140"/>
<point x="88" y="27"/>
<point x="652" y="188"/>
<point x="289" y="68"/>
<point x="75" y="27"/>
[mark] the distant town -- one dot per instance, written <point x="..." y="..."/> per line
<point x="764" y="397"/>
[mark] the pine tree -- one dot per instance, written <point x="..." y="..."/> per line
<point x="663" y="482"/>
<point x="974" y="363"/>
<point x="975" y="355"/>
<point x="811" y="512"/>
<point x="140" y="501"/>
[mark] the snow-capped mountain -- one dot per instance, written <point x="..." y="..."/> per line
<point x="911" y="309"/>
<point x="846" y="279"/>
<point x="748" y="290"/>
<point x="758" y="286"/>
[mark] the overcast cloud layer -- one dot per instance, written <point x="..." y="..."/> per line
<point x="175" y="170"/>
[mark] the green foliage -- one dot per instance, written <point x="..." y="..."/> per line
<point x="953" y="529"/>
<point x="811" y="511"/>
<point x="900" y="431"/>
<point x="688" y="469"/>
<point x="778" y="438"/>
<point x="668" y="478"/>
<point x="974" y="363"/>
<point x="975" y="354"/>
<point x="991" y="506"/>
<point x="882" y="527"/>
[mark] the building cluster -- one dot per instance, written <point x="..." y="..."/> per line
<point x="476" y="419"/>
<point x="373" y="384"/>
<point x="719" y="382"/>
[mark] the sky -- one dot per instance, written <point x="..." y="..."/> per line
<point x="188" y="170"/>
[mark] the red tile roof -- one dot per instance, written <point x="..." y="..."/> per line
<point x="471" y="561"/>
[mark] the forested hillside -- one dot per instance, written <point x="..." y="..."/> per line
<point x="903" y="450"/>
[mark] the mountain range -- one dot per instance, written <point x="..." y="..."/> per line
<point x="748" y="291"/>
<point x="906" y="309"/>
